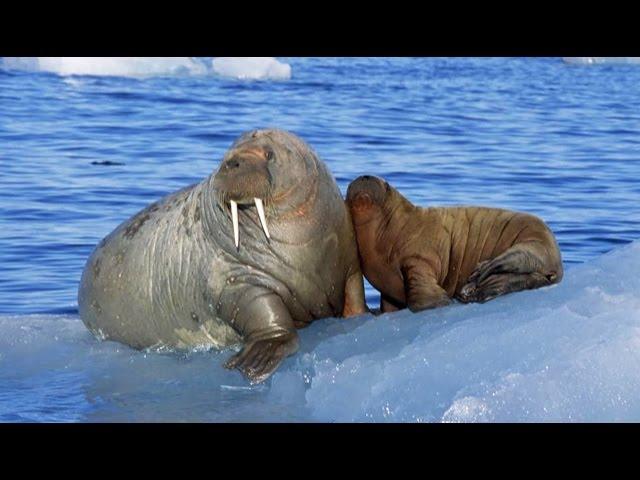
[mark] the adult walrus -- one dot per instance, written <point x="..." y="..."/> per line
<point x="423" y="257"/>
<point x="262" y="247"/>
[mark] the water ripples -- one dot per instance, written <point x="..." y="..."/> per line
<point x="556" y="140"/>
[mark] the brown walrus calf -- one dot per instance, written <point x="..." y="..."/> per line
<point x="424" y="257"/>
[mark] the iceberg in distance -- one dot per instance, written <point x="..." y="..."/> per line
<point x="108" y="66"/>
<point x="600" y="60"/>
<point x="254" y="68"/>
<point x="249" y="68"/>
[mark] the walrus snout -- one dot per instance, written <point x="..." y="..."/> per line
<point x="365" y="191"/>
<point x="244" y="175"/>
<point x="244" y="178"/>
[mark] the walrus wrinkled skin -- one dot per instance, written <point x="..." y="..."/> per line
<point x="424" y="257"/>
<point x="173" y="276"/>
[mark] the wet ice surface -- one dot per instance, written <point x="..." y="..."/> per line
<point x="569" y="352"/>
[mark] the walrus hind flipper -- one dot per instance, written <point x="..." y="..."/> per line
<point x="500" y="284"/>
<point x="517" y="259"/>
<point x="519" y="268"/>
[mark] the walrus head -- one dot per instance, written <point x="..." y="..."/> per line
<point x="366" y="197"/>
<point x="262" y="168"/>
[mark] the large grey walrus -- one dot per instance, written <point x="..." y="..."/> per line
<point x="424" y="257"/>
<point x="262" y="247"/>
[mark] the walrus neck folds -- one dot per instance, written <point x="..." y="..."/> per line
<point x="394" y="212"/>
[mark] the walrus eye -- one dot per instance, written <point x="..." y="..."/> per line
<point x="269" y="155"/>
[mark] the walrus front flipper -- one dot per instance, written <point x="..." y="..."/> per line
<point x="269" y="336"/>
<point x="387" y="304"/>
<point x="421" y="287"/>
<point x="354" y="302"/>
<point x="260" y="357"/>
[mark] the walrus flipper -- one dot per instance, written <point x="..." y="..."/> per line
<point x="388" y="305"/>
<point x="421" y="287"/>
<point x="269" y="335"/>
<point x="354" y="301"/>
<point x="521" y="267"/>
<point x="521" y="258"/>
<point x="502" y="283"/>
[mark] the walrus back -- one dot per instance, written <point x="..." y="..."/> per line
<point x="480" y="233"/>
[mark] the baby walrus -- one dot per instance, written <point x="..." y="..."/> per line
<point x="424" y="257"/>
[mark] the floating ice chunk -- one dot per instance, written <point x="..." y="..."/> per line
<point x="255" y="68"/>
<point x="109" y="66"/>
<point x="570" y="352"/>
<point x="567" y="353"/>
<point x="600" y="60"/>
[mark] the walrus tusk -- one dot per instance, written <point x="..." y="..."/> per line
<point x="234" y="215"/>
<point x="263" y="219"/>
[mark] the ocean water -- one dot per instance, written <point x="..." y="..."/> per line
<point x="560" y="139"/>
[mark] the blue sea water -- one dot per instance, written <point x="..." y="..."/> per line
<point x="79" y="154"/>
